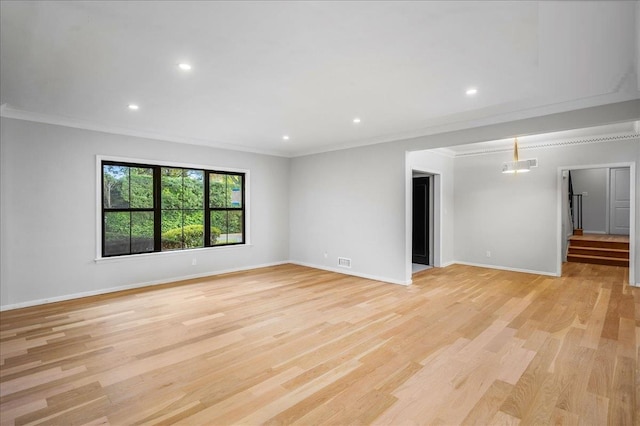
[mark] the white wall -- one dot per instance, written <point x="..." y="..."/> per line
<point x="592" y="183"/>
<point x="48" y="213"/>
<point x="515" y="216"/>
<point x="350" y="203"/>
<point x="505" y="220"/>
<point x="4" y="290"/>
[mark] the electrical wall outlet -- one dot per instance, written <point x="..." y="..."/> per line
<point x="488" y="253"/>
<point x="194" y="261"/>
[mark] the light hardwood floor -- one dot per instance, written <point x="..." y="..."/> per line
<point x="289" y="344"/>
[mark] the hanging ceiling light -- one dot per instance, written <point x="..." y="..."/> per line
<point x="517" y="165"/>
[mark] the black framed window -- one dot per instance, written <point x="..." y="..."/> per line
<point x="226" y="208"/>
<point x="153" y="208"/>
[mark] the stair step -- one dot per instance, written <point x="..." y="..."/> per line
<point x="617" y="245"/>
<point x="598" y="251"/>
<point x="600" y="260"/>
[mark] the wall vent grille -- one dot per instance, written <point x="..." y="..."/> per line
<point x="344" y="262"/>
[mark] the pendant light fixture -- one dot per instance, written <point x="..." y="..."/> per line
<point x="516" y="166"/>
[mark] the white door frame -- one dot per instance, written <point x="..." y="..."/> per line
<point x="632" y="212"/>
<point x="437" y="215"/>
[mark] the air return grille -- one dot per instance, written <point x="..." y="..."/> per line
<point x="344" y="262"/>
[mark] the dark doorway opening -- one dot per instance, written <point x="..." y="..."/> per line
<point x="421" y="196"/>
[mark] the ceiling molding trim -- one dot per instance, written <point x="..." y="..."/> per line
<point x="464" y="123"/>
<point x="445" y="152"/>
<point x="553" y="144"/>
<point x="8" y="112"/>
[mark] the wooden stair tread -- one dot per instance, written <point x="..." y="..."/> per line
<point x="584" y="240"/>
<point x="590" y="256"/>
<point x="599" y="244"/>
<point x="601" y="237"/>
<point x="602" y="260"/>
<point x="600" y="249"/>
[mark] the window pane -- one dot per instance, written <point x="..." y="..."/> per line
<point x="141" y="183"/>
<point x="115" y="191"/>
<point x="141" y="232"/>
<point x="219" y="229"/>
<point x="182" y="229"/>
<point x="171" y="229"/>
<point x="235" y="227"/>
<point x="131" y="189"/>
<point x="193" y="217"/>
<point x="117" y="232"/>
<point x="171" y="185"/>
<point x="217" y="190"/>
<point x="193" y="230"/>
<point x="234" y="188"/>
<point x="193" y="190"/>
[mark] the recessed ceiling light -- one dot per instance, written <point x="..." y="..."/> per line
<point x="184" y="67"/>
<point x="471" y="91"/>
<point x="356" y="120"/>
<point x="133" y="107"/>
<point x="285" y="137"/>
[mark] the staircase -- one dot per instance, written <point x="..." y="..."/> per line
<point x="601" y="249"/>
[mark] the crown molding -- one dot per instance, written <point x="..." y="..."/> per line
<point x="445" y="152"/>
<point x="551" y="144"/>
<point x="8" y="112"/>
<point x="463" y="121"/>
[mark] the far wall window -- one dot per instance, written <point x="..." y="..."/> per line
<point x="152" y="208"/>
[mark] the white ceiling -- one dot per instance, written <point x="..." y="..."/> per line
<point x="306" y="69"/>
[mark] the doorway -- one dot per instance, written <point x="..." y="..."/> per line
<point x="422" y="222"/>
<point x="609" y="211"/>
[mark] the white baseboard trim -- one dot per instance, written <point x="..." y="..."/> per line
<point x="132" y="286"/>
<point x="355" y="274"/>
<point x="507" y="268"/>
<point x="248" y="268"/>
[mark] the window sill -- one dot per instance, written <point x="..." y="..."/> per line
<point x="186" y="253"/>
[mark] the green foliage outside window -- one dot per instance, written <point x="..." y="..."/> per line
<point x="190" y="236"/>
<point x="128" y="204"/>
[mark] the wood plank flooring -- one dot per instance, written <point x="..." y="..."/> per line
<point x="294" y="345"/>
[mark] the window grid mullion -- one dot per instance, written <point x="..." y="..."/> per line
<point x="207" y="212"/>
<point x="157" y="209"/>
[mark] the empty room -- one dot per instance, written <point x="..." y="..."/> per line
<point x="292" y="212"/>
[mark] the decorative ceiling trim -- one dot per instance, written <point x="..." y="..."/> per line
<point x="551" y="144"/>
<point x="8" y="112"/>
<point x="445" y="152"/>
